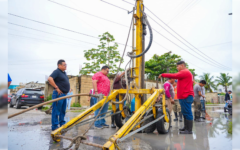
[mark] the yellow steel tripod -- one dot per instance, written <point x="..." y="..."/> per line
<point x="138" y="91"/>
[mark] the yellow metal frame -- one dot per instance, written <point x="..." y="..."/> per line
<point x="140" y="109"/>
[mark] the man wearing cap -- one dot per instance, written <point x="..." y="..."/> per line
<point x="185" y="94"/>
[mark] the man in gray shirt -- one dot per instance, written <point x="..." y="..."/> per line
<point x="197" y="95"/>
<point x="202" y="100"/>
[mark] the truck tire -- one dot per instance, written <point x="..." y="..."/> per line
<point x="119" y="120"/>
<point x="150" y="128"/>
<point x="162" y="126"/>
<point x="18" y="106"/>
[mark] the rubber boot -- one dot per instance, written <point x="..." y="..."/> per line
<point x="203" y="115"/>
<point x="198" y="119"/>
<point x="188" y="128"/>
<point x="185" y="124"/>
<point x="180" y="116"/>
<point x="113" y="124"/>
<point x="176" y="116"/>
<point x="195" y="116"/>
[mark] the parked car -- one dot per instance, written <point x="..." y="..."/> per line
<point x="27" y="97"/>
<point x="9" y="98"/>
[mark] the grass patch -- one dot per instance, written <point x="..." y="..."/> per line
<point x="76" y="105"/>
<point x="45" y="108"/>
<point x="82" y="110"/>
<point x="110" y="107"/>
<point x="230" y="127"/>
<point x="208" y="103"/>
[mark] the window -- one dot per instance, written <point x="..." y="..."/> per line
<point x="33" y="92"/>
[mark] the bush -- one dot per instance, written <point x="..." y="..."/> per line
<point x="110" y="107"/>
<point x="49" y="98"/>
<point x="45" y="108"/>
<point x="221" y="94"/>
<point x="230" y="127"/>
<point x="76" y="105"/>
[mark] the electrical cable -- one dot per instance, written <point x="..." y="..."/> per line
<point x="88" y="13"/>
<point x="114" y="5"/>
<point x="182" y="37"/>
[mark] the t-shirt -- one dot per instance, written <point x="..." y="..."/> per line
<point x="175" y="92"/>
<point x="61" y="80"/>
<point x="227" y="97"/>
<point x="169" y="91"/>
<point x="184" y="84"/>
<point x="196" y="89"/>
<point x="103" y="84"/>
<point x="9" y="78"/>
<point x="118" y="85"/>
<point x="203" y="93"/>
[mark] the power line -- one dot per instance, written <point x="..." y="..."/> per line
<point x="88" y="13"/>
<point x="185" y="39"/>
<point x="184" y="49"/>
<point x="60" y="28"/>
<point x="209" y="59"/>
<point x="114" y="5"/>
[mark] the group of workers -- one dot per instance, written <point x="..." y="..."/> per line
<point x="179" y="90"/>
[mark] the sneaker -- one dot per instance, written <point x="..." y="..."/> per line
<point x="105" y="126"/>
<point x="113" y="126"/>
<point x="180" y="120"/>
<point x="175" y="119"/>
<point x="98" y="127"/>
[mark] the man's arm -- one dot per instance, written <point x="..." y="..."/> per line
<point x="178" y="75"/>
<point x="119" y="77"/>
<point x="94" y="82"/>
<point x="51" y="82"/>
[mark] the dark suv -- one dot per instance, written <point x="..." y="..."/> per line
<point x="27" y="97"/>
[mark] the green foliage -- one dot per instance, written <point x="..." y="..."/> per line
<point x="210" y="83"/>
<point x="110" y="107"/>
<point x="230" y="127"/>
<point x="45" y="108"/>
<point x="49" y="98"/>
<point x="105" y="54"/>
<point x="222" y="94"/>
<point x="159" y="64"/>
<point x="76" y="105"/>
<point x="224" y="80"/>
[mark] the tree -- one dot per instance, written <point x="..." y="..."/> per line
<point x="210" y="83"/>
<point x="105" y="54"/>
<point x="224" y="80"/>
<point x="162" y="64"/>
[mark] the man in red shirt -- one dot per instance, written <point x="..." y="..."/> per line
<point x="101" y="85"/>
<point x="185" y="94"/>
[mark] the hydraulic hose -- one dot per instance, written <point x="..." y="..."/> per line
<point x="150" y="41"/>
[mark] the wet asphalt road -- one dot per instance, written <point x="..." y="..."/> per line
<point x="32" y="130"/>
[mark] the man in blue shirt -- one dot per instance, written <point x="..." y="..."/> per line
<point x="60" y="82"/>
<point x="9" y="80"/>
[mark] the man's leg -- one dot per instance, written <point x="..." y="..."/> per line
<point x="179" y="111"/>
<point x="203" y="108"/>
<point x="55" y="112"/>
<point x="104" y="110"/>
<point x="97" y="123"/>
<point x="175" y="110"/>
<point x="183" y="113"/>
<point x="63" y="112"/>
<point x="113" y="116"/>
<point x="187" y="111"/>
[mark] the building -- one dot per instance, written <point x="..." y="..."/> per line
<point x="221" y="89"/>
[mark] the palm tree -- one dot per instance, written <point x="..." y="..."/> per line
<point x="224" y="80"/>
<point x="210" y="83"/>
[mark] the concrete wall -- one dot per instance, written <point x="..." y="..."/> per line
<point x="212" y="97"/>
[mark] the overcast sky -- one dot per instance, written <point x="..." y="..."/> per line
<point x="33" y="54"/>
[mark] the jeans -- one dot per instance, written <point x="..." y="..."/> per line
<point x="104" y="110"/>
<point x="92" y="101"/>
<point x="69" y="103"/>
<point x="58" y="110"/>
<point x="203" y="105"/>
<point x="226" y="104"/>
<point x="186" y="107"/>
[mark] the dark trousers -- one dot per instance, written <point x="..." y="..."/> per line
<point x="186" y="107"/>
<point x="58" y="110"/>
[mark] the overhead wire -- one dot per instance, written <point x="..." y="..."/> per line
<point x="59" y="27"/>
<point x="88" y="13"/>
<point x="210" y="60"/>
<point x="184" y="38"/>
<point x="114" y="5"/>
